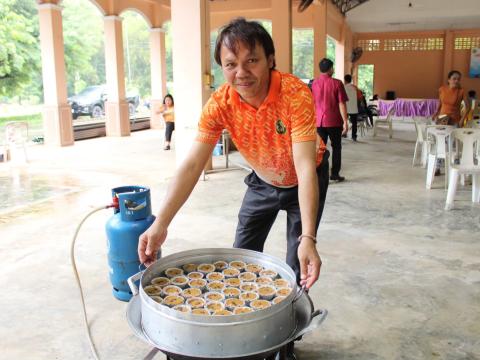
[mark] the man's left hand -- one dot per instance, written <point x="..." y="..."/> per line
<point x="310" y="262"/>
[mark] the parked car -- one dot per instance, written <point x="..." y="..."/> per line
<point x="91" y="101"/>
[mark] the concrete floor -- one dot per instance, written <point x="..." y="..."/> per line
<point x="401" y="277"/>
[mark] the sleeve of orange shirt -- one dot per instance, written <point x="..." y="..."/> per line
<point x="302" y="115"/>
<point x="210" y="126"/>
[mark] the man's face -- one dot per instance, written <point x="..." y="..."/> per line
<point x="247" y="71"/>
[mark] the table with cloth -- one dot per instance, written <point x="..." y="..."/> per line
<point x="409" y="107"/>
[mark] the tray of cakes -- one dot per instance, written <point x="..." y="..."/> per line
<point x="218" y="303"/>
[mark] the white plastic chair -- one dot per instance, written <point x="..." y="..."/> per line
<point x="387" y="121"/>
<point x="16" y="137"/>
<point x="469" y="163"/>
<point x="421" y="129"/>
<point x="437" y="136"/>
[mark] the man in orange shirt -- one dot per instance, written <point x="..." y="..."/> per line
<point x="271" y="119"/>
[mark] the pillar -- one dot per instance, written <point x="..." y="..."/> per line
<point x="191" y="64"/>
<point x="449" y="47"/>
<point x="340" y="69"/>
<point x="158" y="74"/>
<point x="117" y="119"/>
<point x="282" y="34"/>
<point x="57" y="114"/>
<point x="319" y="34"/>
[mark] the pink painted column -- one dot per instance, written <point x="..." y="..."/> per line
<point x="282" y="34"/>
<point x="191" y="64"/>
<point x="158" y="74"/>
<point x="57" y="114"/>
<point x="319" y="34"/>
<point x="117" y="120"/>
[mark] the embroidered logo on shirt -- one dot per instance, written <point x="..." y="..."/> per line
<point x="280" y="127"/>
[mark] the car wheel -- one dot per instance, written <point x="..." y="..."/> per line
<point x="97" y="111"/>
<point x="131" y="109"/>
<point x="75" y="116"/>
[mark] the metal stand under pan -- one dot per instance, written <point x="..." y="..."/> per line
<point x="307" y="321"/>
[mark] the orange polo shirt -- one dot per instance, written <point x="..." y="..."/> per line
<point x="264" y="136"/>
<point x="451" y="100"/>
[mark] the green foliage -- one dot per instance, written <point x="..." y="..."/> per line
<point x="19" y="48"/>
<point x="365" y="79"/>
<point x="302" y="51"/>
<point x="331" y="49"/>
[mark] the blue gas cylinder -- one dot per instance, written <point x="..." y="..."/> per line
<point x="130" y="219"/>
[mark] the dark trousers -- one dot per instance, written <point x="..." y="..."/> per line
<point x="169" y="127"/>
<point x="335" y="135"/>
<point x="260" y="207"/>
<point x="353" y="119"/>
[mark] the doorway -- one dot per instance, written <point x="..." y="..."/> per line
<point x="365" y="76"/>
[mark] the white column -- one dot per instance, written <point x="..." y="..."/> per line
<point x="191" y="61"/>
<point x="117" y="120"/>
<point x="158" y="75"/>
<point x="57" y="114"/>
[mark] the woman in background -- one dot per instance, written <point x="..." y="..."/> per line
<point x="451" y="97"/>
<point x="167" y="111"/>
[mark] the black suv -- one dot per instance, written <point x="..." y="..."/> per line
<point x="91" y="101"/>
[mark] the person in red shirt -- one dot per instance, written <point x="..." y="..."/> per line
<point x="332" y="119"/>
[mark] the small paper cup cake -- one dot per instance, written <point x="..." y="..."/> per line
<point x="153" y="290"/>
<point x="242" y="310"/>
<point x="182" y="308"/>
<point x="214" y="296"/>
<point x="173" y="300"/>
<point x="195" y="275"/>
<point x="222" y="313"/>
<point x="198" y="284"/>
<point x="281" y="283"/>
<point x="254" y="268"/>
<point x="285" y="291"/>
<point x="201" y="312"/>
<point x="191" y="293"/>
<point x="171" y="290"/>
<point x="247" y="276"/>
<point x="233" y="282"/>
<point x="160" y="281"/>
<point x="263" y="280"/>
<point x="269" y="273"/>
<point x="172" y="272"/>
<point x="278" y="299"/>
<point x="215" y="286"/>
<point x="180" y="281"/>
<point x="231" y="272"/>
<point x="215" y="276"/>
<point x="237" y="264"/>
<point x="232" y="303"/>
<point x="249" y="287"/>
<point x="260" y="304"/>
<point x="231" y="292"/>
<point x="196" y="302"/>
<point x="188" y="268"/>
<point x="248" y="297"/>
<point x="220" y="265"/>
<point x="267" y="292"/>
<point x="157" y="299"/>
<point x="206" y="268"/>
<point x="213" y="306"/>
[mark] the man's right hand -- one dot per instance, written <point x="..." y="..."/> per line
<point x="150" y="242"/>
<point x="345" y="127"/>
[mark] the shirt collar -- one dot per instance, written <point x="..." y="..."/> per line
<point x="273" y="90"/>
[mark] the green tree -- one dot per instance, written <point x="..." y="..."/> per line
<point x="302" y="52"/>
<point x="19" y="48"/>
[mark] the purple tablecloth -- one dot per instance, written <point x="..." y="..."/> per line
<point x="409" y="107"/>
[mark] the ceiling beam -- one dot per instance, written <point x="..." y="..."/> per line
<point x="346" y="5"/>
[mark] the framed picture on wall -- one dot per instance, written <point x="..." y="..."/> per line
<point x="475" y="63"/>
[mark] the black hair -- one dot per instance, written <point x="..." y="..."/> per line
<point x="248" y="32"/>
<point x="453" y="72"/>
<point x="348" y="78"/>
<point x="168" y="96"/>
<point x="472" y="93"/>
<point x="325" y="65"/>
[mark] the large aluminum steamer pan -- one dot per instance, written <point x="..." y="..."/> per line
<point x="307" y="320"/>
<point x="217" y="336"/>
